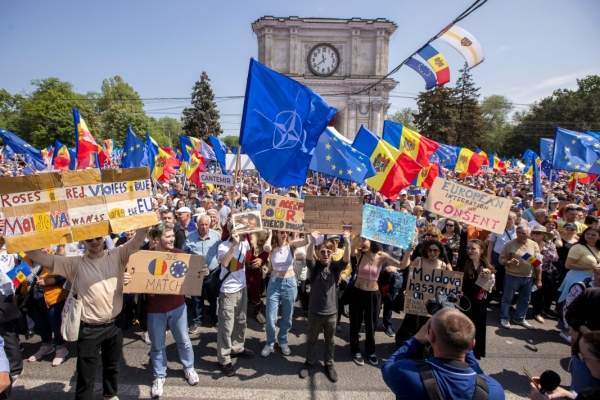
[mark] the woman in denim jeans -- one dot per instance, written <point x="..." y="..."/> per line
<point x="282" y="289"/>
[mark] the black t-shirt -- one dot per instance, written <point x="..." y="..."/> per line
<point x="323" y="281"/>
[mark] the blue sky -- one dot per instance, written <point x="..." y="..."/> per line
<point x="160" y="47"/>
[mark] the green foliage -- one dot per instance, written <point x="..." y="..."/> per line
<point x="231" y="141"/>
<point x="10" y="107"/>
<point x="495" y="111"/>
<point x="469" y="124"/>
<point x="164" y="130"/>
<point x="405" y="117"/>
<point x="437" y="114"/>
<point x="202" y="118"/>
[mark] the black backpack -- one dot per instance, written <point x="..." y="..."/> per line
<point x="433" y="389"/>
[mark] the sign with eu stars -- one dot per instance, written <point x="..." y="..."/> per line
<point x="388" y="226"/>
<point x="576" y="151"/>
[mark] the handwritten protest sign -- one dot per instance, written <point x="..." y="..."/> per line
<point x="57" y="208"/>
<point x="283" y="213"/>
<point x="425" y="283"/>
<point x="331" y="215"/>
<point x="247" y="222"/>
<point x="388" y="226"/>
<point x="474" y="207"/>
<point x="159" y="272"/>
<point x="216" y="179"/>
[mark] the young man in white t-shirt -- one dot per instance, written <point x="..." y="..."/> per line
<point x="233" y="300"/>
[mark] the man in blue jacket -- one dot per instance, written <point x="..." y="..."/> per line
<point x="451" y="373"/>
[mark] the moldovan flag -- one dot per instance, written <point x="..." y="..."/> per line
<point x="409" y="142"/>
<point x="437" y="62"/>
<point x="87" y="148"/>
<point x="427" y="176"/>
<point x="162" y="163"/>
<point x="19" y="273"/>
<point x="61" y="158"/>
<point x="393" y="170"/>
<point x="468" y="162"/>
<point x="196" y="165"/>
<point x="465" y="44"/>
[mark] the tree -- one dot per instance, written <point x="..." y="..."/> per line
<point x="436" y="116"/>
<point x="495" y="111"/>
<point x="10" y="109"/>
<point x="231" y="141"/>
<point x="469" y="124"/>
<point x="164" y="130"/>
<point x="120" y="106"/>
<point x="405" y="117"/>
<point x="202" y="118"/>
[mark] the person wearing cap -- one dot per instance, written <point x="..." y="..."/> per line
<point x="538" y="203"/>
<point x="184" y="218"/>
<point x="223" y="210"/>
<point x="553" y="206"/>
<point x="541" y="299"/>
<point x="540" y="217"/>
<point x="193" y="201"/>
<point x="252" y="203"/>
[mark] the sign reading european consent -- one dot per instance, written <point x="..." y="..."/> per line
<point x="427" y="283"/>
<point x="57" y="208"/>
<point x="474" y="207"/>
<point x="388" y="226"/>
<point x="216" y="179"/>
<point x="160" y="272"/>
<point x="282" y="213"/>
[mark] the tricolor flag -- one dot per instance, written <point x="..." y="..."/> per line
<point x="438" y="63"/>
<point x="534" y="261"/>
<point x="61" y="157"/>
<point x="427" y="176"/>
<point x="465" y="44"/>
<point x="393" y="170"/>
<point x="162" y="163"/>
<point x="468" y="162"/>
<point x="19" y="273"/>
<point x="409" y="142"/>
<point x="87" y="148"/>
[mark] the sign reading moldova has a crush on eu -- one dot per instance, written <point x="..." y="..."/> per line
<point x="474" y="207"/>
<point x="57" y="208"/>
<point x="160" y="272"/>
<point x="282" y="213"/>
<point x="426" y="284"/>
<point x="388" y="226"/>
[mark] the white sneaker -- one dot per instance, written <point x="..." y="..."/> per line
<point x="191" y="376"/>
<point x="44" y="350"/>
<point x="285" y="349"/>
<point x="524" y="323"/>
<point x="61" y="353"/>
<point x="157" y="387"/>
<point x="146" y="338"/>
<point x="505" y="323"/>
<point x="268" y="349"/>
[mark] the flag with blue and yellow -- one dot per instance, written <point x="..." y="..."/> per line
<point x="61" y="157"/>
<point x="162" y="163"/>
<point x="134" y="151"/>
<point x="19" y="146"/>
<point x="85" y="144"/>
<point x="576" y="151"/>
<point x="409" y="142"/>
<point x="468" y="162"/>
<point x="438" y="63"/>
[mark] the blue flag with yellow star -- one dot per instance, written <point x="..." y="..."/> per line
<point x="134" y="151"/>
<point x="576" y="151"/>
<point x="335" y="157"/>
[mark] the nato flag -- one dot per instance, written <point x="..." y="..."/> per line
<point x="281" y="125"/>
<point x="576" y="151"/>
<point x="134" y="151"/>
<point x="34" y="157"/>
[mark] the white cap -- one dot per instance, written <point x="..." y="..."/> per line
<point x="184" y="210"/>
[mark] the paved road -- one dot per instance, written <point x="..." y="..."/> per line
<point x="508" y="351"/>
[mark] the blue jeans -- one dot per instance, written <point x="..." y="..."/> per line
<point x="176" y="321"/>
<point x="281" y="291"/>
<point x="513" y="284"/>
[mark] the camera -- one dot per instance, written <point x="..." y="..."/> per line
<point x="441" y="301"/>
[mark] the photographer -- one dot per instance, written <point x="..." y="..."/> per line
<point x="451" y="373"/>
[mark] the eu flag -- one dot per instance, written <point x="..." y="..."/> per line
<point x="19" y="146"/>
<point x="134" y="151"/>
<point x="219" y="149"/>
<point x="335" y="157"/>
<point x="281" y="125"/>
<point x="576" y="151"/>
<point x="546" y="148"/>
<point x="447" y="155"/>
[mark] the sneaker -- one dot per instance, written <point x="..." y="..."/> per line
<point x="260" y="318"/>
<point x="146" y="338"/>
<point x="285" y="349"/>
<point x="372" y="359"/>
<point x="157" y="387"/>
<point x="358" y="359"/>
<point x="504" y="323"/>
<point x="191" y="376"/>
<point x="194" y="329"/>
<point x="227" y="369"/>
<point x="539" y="319"/>
<point x="331" y="373"/>
<point x="524" y="323"/>
<point x="44" y="350"/>
<point x="389" y="331"/>
<point x="61" y="353"/>
<point x="305" y="370"/>
<point x="268" y="349"/>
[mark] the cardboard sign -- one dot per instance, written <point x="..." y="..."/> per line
<point x="486" y="281"/>
<point x="58" y="208"/>
<point x="217" y="179"/>
<point x="388" y="226"/>
<point x="247" y="222"/>
<point x="425" y="283"/>
<point x="160" y="272"/>
<point x="331" y="215"/>
<point x="462" y="203"/>
<point x="282" y="213"/>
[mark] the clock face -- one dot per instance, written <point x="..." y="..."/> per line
<point x="323" y="59"/>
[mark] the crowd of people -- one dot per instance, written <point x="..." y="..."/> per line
<point x="272" y="274"/>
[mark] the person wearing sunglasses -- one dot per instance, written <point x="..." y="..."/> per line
<point x="98" y="279"/>
<point x="322" y="303"/>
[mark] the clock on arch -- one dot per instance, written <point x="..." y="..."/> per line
<point x="323" y="59"/>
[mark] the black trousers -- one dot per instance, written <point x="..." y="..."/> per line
<point x="97" y="342"/>
<point x="12" y="347"/>
<point x="364" y="306"/>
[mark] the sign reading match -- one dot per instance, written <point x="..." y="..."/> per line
<point x="474" y="207"/>
<point x="427" y="283"/>
<point x="58" y="208"/>
<point x="159" y="272"/>
<point x="388" y="226"/>
<point x="282" y="213"/>
<point x="216" y="179"/>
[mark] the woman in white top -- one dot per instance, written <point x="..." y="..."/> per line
<point x="282" y="289"/>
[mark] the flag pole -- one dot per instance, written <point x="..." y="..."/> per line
<point x="331" y="186"/>
<point x="548" y="197"/>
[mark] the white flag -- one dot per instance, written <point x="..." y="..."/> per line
<point x="465" y="44"/>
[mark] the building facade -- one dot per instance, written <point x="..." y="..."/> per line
<point x="337" y="58"/>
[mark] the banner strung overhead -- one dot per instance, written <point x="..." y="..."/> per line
<point x="282" y="213"/>
<point x="462" y="203"/>
<point x="426" y="284"/>
<point x="332" y="215"/>
<point x="58" y="208"/>
<point x="159" y="272"/>
<point x="388" y="226"/>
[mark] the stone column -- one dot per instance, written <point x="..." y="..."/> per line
<point x="354" y="51"/>
<point x="294" y="52"/>
<point x="351" y="127"/>
<point x="268" y="43"/>
<point x="376" y="119"/>
<point x="380" y="64"/>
